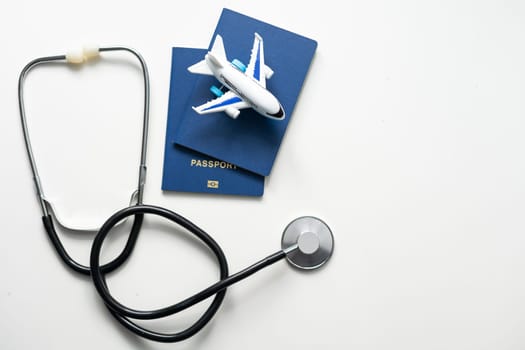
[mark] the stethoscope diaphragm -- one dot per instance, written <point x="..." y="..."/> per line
<point x="308" y="242"/>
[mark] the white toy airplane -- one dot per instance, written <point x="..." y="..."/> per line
<point x="247" y="85"/>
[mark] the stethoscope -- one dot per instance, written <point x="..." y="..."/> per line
<point x="307" y="242"/>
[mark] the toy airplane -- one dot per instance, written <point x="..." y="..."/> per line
<point x="247" y="85"/>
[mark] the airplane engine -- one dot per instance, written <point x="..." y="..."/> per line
<point x="232" y="112"/>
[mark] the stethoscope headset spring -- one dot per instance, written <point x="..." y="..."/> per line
<point x="307" y="242"/>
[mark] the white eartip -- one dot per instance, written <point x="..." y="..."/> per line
<point x="90" y="52"/>
<point x="75" y="56"/>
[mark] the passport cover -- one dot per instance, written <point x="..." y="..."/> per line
<point x="251" y="141"/>
<point x="189" y="171"/>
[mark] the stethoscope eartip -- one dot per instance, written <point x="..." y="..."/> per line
<point x="308" y="242"/>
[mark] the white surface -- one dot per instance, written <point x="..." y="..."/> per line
<point x="407" y="140"/>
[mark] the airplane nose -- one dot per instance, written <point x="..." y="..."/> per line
<point x="279" y="114"/>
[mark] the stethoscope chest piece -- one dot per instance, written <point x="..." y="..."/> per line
<point x="308" y="243"/>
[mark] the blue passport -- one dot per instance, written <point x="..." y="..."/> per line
<point x="189" y="171"/>
<point x="251" y="141"/>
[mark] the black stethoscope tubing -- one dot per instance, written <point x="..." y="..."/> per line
<point x="123" y="313"/>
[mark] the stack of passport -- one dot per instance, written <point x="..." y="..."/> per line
<point x="214" y="153"/>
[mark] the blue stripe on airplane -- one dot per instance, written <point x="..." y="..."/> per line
<point x="234" y="99"/>
<point x="257" y="68"/>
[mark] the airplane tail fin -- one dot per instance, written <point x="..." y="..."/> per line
<point x="218" y="47"/>
<point x="217" y="50"/>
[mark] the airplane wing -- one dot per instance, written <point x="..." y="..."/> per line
<point x="227" y="101"/>
<point x="256" y="68"/>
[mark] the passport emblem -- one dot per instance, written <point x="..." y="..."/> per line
<point x="213" y="184"/>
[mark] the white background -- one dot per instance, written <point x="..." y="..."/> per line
<point x="408" y="140"/>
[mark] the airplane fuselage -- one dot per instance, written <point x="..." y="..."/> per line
<point x="246" y="87"/>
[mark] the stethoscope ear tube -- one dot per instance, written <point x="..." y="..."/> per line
<point x="78" y="58"/>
